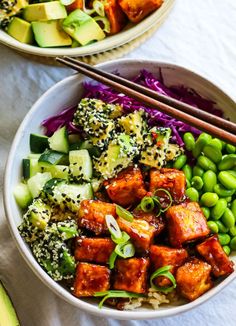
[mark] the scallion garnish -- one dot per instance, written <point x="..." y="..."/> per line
<point x="125" y="250"/>
<point x="115" y="294"/>
<point x="147" y="204"/>
<point x="124" y="238"/>
<point x="112" y="259"/>
<point x="122" y="212"/>
<point x="163" y="271"/>
<point x="113" y="226"/>
<point x="170" y="198"/>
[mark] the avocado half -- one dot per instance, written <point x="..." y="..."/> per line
<point x="8" y="315"/>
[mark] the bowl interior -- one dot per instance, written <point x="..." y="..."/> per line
<point x="130" y="32"/>
<point x="67" y="93"/>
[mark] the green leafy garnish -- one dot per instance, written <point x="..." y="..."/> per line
<point x="122" y="212"/>
<point x="163" y="271"/>
<point x="124" y="238"/>
<point x="113" y="227"/>
<point x="112" y="259"/>
<point x="115" y="294"/>
<point x="170" y="199"/>
<point x="147" y="204"/>
<point x="125" y="250"/>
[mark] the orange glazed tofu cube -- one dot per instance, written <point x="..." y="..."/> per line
<point x="186" y="222"/>
<point x="150" y="217"/>
<point x="97" y="250"/>
<point x="214" y="254"/>
<point x="136" y="10"/>
<point x="89" y="279"/>
<point x="162" y="256"/>
<point x="140" y="232"/>
<point x="193" y="279"/>
<point x="127" y="188"/>
<point x="92" y="213"/>
<point x="170" y="179"/>
<point x="115" y="16"/>
<point x="131" y="275"/>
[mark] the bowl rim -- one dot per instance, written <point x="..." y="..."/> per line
<point x="30" y="260"/>
<point x="106" y="44"/>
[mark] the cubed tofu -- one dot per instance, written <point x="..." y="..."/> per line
<point x="162" y="256"/>
<point x="89" y="279"/>
<point x="171" y="180"/>
<point x="131" y="275"/>
<point x="150" y="217"/>
<point x="92" y="213"/>
<point x="115" y="15"/>
<point x="127" y="188"/>
<point x="193" y="279"/>
<point x="97" y="250"/>
<point x="186" y="222"/>
<point x="136" y="10"/>
<point x="140" y="232"/>
<point x="214" y="254"/>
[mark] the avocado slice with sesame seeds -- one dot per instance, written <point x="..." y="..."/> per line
<point x="39" y="214"/>
<point x="173" y="152"/>
<point x="156" y="144"/>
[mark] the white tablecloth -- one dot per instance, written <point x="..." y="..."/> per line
<point x="198" y="34"/>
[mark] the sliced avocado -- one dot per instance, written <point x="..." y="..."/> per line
<point x="8" y="315"/>
<point x="173" y="152"/>
<point x="82" y="27"/>
<point x="45" y="11"/>
<point x="134" y="125"/>
<point x="156" y="144"/>
<point x="39" y="214"/>
<point x="49" y="34"/>
<point x="10" y="8"/>
<point x="21" y="30"/>
<point x="119" y="155"/>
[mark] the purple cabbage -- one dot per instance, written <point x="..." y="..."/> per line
<point x="156" y="118"/>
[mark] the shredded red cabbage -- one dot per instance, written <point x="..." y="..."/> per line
<point x="145" y="78"/>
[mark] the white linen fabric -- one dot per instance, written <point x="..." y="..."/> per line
<point x="200" y="35"/>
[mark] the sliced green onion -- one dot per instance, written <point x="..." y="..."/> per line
<point x="99" y="8"/>
<point x="124" y="238"/>
<point x="170" y="198"/>
<point x="106" y="27"/>
<point x="66" y="2"/>
<point x="86" y="10"/>
<point x="147" y="204"/>
<point x="122" y="212"/>
<point x="163" y="271"/>
<point x="113" y="226"/>
<point x="112" y="259"/>
<point x="115" y="294"/>
<point x="125" y="250"/>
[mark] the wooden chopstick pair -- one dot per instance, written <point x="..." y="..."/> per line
<point x="218" y="127"/>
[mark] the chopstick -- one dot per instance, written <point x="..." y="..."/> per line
<point x="216" y="126"/>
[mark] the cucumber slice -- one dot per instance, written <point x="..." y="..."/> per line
<point x="67" y="195"/>
<point x="39" y="214"/>
<point x="30" y="167"/>
<point x="38" y="143"/>
<point x="93" y="150"/>
<point x="34" y="156"/>
<point x="59" y="141"/>
<point x="37" y="182"/>
<point x="49" y="158"/>
<point x="22" y="195"/>
<point x="58" y="171"/>
<point x="80" y="165"/>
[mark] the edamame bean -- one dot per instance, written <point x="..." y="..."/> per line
<point x="205" y="163"/>
<point x="209" y="199"/>
<point x="189" y="141"/>
<point x="228" y="218"/>
<point x="202" y="140"/>
<point x="226" y="250"/>
<point x="206" y="211"/>
<point x="197" y="171"/>
<point x="228" y="162"/>
<point x="213" y="153"/>
<point x="187" y="171"/>
<point x="233" y="243"/>
<point x="227" y="180"/>
<point x="233" y="207"/>
<point x="216" y="143"/>
<point x="213" y="226"/>
<point x="222" y="191"/>
<point x="230" y="149"/>
<point x="180" y="162"/>
<point x="224" y="238"/>
<point x="223" y="144"/>
<point x="232" y="172"/>
<point x="197" y="182"/>
<point x="219" y="209"/>
<point x="209" y="180"/>
<point x="232" y="231"/>
<point x="228" y="199"/>
<point x="188" y="184"/>
<point x="192" y="194"/>
<point x="222" y="228"/>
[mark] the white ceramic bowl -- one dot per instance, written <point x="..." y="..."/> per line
<point x="130" y="32"/>
<point x="67" y="93"/>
